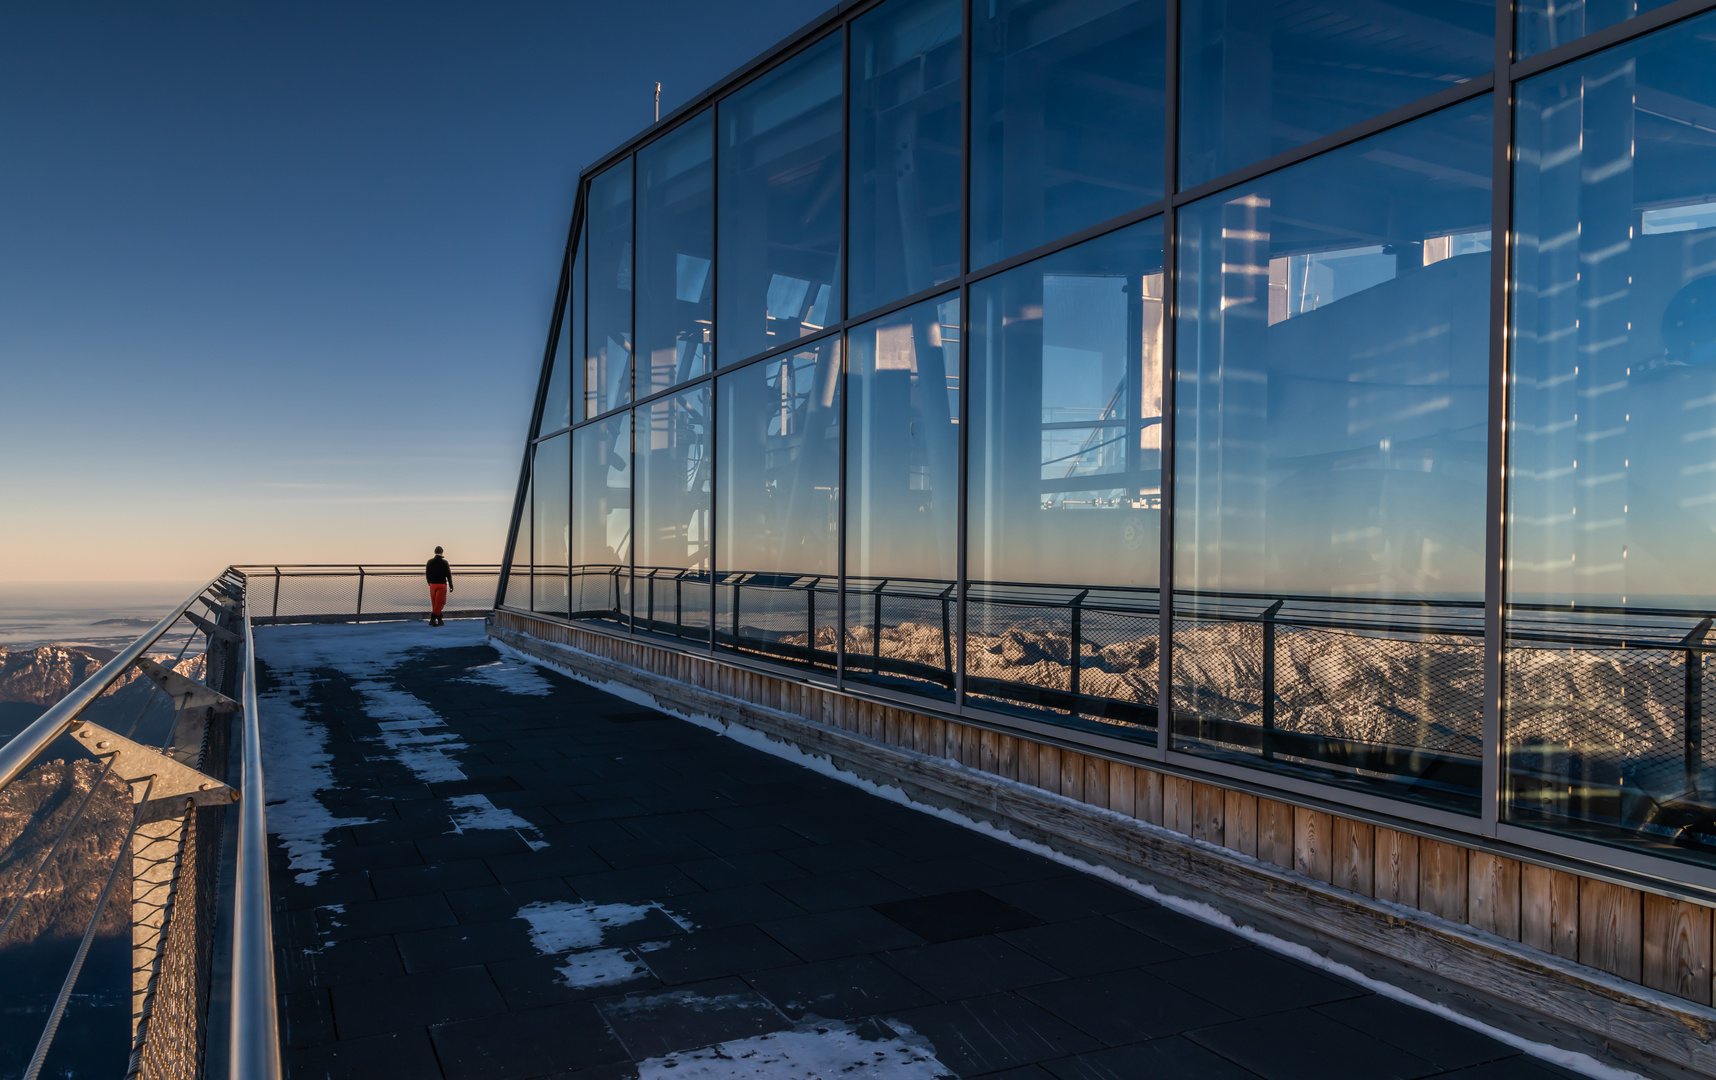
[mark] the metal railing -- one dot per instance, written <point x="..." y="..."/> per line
<point x="361" y="592"/>
<point x="141" y="786"/>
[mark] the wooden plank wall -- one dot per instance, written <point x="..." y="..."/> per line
<point x="1661" y="943"/>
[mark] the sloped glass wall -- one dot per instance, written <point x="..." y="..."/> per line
<point x="1420" y="521"/>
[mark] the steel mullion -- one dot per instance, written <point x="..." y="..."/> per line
<point x="1170" y="295"/>
<point x="843" y="268"/>
<point x="962" y="494"/>
<point x="632" y="492"/>
<point x="1495" y="488"/>
<point x="708" y="376"/>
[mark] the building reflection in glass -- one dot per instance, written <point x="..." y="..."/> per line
<point x="675" y="262"/>
<point x="1064" y="484"/>
<point x="550" y="481"/>
<point x="778" y="500"/>
<point x="602" y="518"/>
<point x="674" y="478"/>
<point x="902" y="498"/>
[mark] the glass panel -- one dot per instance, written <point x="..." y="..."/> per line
<point x="779" y="265"/>
<point x="779" y="496"/>
<point x="581" y="401"/>
<point x="608" y="342"/>
<point x="907" y="59"/>
<point x="518" y="587"/>
<point x="1544" y="24"/>
<point x="1332" y="363"/>
<point x="1065" y="485"/>
<point x="1612" y="458"/>
<point x="1259" y="77"/>
<point x="557" y="404"/>
<point x="551" y="479"/>
<point x="676" y="243"/>
<point x="674" y="474"/>
<point x="902" y="498"/>
<point x="602" y="518"/>
<point x="1067" y="111"/>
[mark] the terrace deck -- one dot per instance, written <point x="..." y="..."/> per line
<point x="485" y="869"/>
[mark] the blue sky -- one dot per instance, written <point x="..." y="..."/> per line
<point x="274" y="279"/>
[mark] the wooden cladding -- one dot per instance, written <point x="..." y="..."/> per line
<point x="1658" y="942"/>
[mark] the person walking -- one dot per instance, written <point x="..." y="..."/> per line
<point x="440" y="577"/>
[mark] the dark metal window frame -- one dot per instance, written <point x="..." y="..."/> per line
<point x="1488" y="829"/>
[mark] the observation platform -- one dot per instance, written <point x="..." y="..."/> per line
<point x="483" y="868"/>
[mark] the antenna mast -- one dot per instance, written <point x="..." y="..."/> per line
<point x="658" y="103"/>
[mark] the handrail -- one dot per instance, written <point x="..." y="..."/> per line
<point x="25" y="746"/>
<point x="255" y="1046"/>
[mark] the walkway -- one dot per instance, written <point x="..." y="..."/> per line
<point x="487" y="870"/>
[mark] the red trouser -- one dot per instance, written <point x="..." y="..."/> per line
<point x="437" y="599"/>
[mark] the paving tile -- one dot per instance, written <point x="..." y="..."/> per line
<point x="659" y="1022"/>
<point x="1087" y="946"/>
<point x="747" y="841"/>
<point x="730" y="907"/>
<point x="948" y="875"/>
<point x="356" y="960"/>
<point x="756" y="868"/>
<point x="640" y="883"/>
<point x="464" y="944"/>
<point x="1443" y="1042"/>
<point x="831" y="934"/>
<point x="306" y="1018"/>
<point x="711" y="954"/>
<point x="1513" y="1068"/>
<point x="535" y="981"/>
<point x="526" y="1044"/>
<point x="1251" y="982"/>
<point x="472" y="844"/>
<point x="955" y="915"/>
<point x="1072" y="896"/>
<point x="394" y="916"/>
<point x="1306" y="1045"/>
<point x="554" y="861"/>
<point x="969" y="968"/>
<point x="1002" y="1031"/>
<point x="841" y="989"/>
<point x="414" y="1001"/>
<point x="494" y="902"/>
<point x="1172" y="1057"/>
<point x="829" y="892"/>
<point x="839" y="857"/>
<point x="1120" y="1007"/>
<point x="399" y="1055"/>
<point x="432" y="878"/>
<point x="1188" y="935"/>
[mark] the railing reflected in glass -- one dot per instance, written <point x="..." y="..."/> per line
<point x="671" y="581"/>
<point x="551" y="530"/>
<point x="1612" y="460"/>
<point x="1333" y="361"/>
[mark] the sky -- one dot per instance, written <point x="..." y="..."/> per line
<point x="275" y="278"/>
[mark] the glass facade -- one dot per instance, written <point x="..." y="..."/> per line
<point x="1006" y="425"/>
<point x="676" y="256"/>
<point x="1612" y="486"/>
<point x="781" y="163"/>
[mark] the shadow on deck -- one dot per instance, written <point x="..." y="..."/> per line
<point x="486" y="869"/>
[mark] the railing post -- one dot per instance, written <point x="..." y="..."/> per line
<point x="946" y="635"/>
<point x="359" y="610"/>
<point x="1075" y="657"/>
<point x="679" y="604"/>
<point x="1695" y="706"/>
<point x="276" y="612"/>
<point x="735" y="614"/>
<point x="810" y="621"/>
<point x="649" y="610"/>
<point x="1268" y="620"/>
<point x="876" y="627"/>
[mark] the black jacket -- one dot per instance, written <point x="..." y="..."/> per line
<point x="438" y="572"/>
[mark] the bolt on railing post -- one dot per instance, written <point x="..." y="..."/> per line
<point x="359" y="610"/>
<point x="1075" y="657"/>
<point x="1694" y="706"/>
<point x="1268" y="620"/>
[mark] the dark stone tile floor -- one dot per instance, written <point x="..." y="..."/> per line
<point x="776" y="897"/>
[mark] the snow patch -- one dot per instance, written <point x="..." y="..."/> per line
<point x="598" y="966"/>
<point x="813" y="1050"/>
<point x="512" y="675"/>
<point x="477" y="812"/>
<point x="557" y="926"/>
<point x="1583" y="1064"/>
<point x="295" y="767"/>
